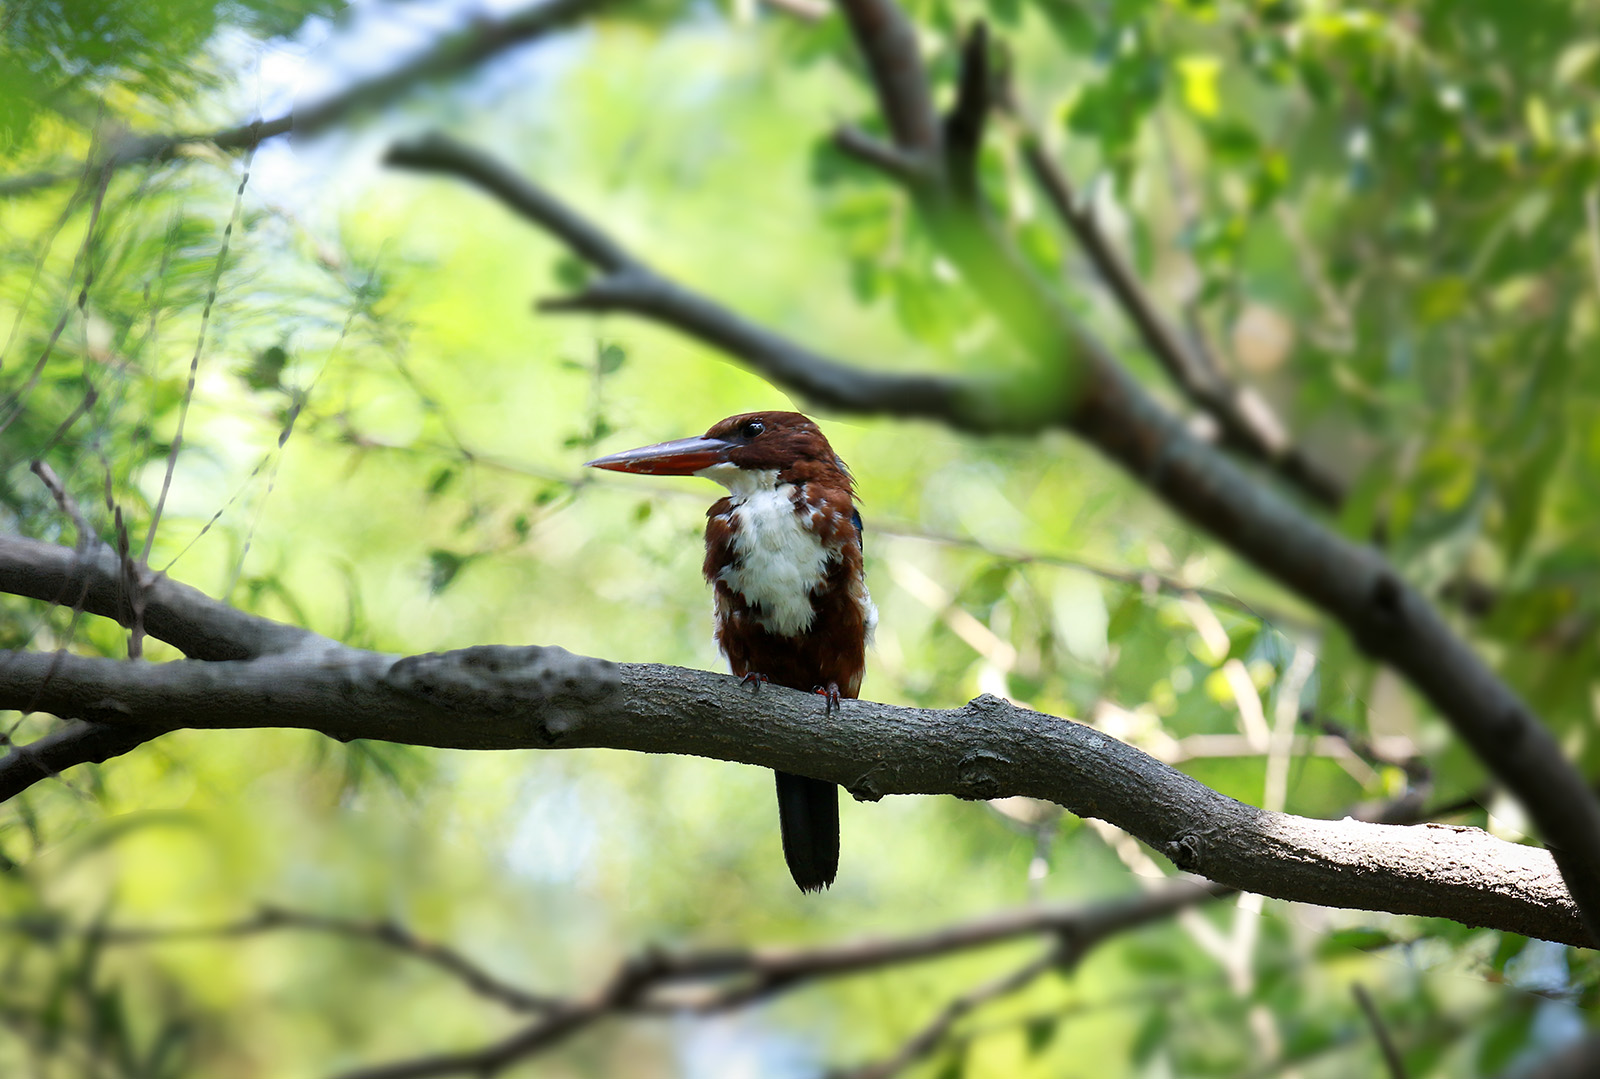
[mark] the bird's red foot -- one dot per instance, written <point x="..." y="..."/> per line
<point x="831" y="692"/>
<point x="758" y="680"/>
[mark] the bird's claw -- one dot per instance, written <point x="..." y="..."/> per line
<point x="757" y="680"/>
<point x="831" y="692"/>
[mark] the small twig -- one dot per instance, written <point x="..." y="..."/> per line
<point x="17" y="400"/>
<point x="64" y="501"/>
<point x="270" y="919"/>
<point x="1380" y="1030"/>
<point x="908" y="169"/>
<point x="1413" y="764"/>
<point x="629" y="285"/>
<point x="194" y="363"/>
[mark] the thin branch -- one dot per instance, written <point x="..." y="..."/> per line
<point x="194" y="369"/>
<point x="47" y="756"/>
<point x="804" y="10"/>
<point x="484" y="38"/>
<point x="1148" y="581"/>
<point x="964" y="124"/>
<point x="272" y="919"/>
<point x="630" y="285"/>
<point x="64" y="502"/>
<point x="1591" y="214"/>
<point x="883" y="156"/>
<point x="1380" y="1030"/>
<point x="656" y="982"/>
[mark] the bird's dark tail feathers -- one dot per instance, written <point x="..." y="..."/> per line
<point x="808" y="814"/>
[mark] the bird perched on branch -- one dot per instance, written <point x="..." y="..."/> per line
<point x="784" y="558"/>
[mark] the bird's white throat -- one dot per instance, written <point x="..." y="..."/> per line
<point x="781" y="561"/>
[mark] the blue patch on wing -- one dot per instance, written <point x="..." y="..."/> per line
<point x="855" y="519"/>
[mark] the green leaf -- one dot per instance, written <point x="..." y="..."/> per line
<point x="441" y="481"/>
<point x="612" y="358"/>
<point x="443" y="568"/>
<point x="1040" y="1032"/>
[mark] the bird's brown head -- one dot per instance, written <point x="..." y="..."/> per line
<point x="775" y="447"/>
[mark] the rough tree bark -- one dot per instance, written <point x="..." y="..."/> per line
<point x="496" y="698"/>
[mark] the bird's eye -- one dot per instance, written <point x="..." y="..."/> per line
<point x="752" y="429"/>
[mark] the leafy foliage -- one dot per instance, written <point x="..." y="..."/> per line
<point x="1386" y="217"/>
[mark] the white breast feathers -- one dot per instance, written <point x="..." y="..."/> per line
<point x="780" y="562"/>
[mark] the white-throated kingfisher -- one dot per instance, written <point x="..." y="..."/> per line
<point x="784" y="559"/>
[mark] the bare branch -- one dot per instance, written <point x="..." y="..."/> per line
<point x="64" y="501"/>
<point x="630" y="285"/>
<point x="95" y="578"/>
<point x="516" y="698"/>
<point x="804" y="10"/>
<point x="484" y="38"/>
<point x="272" y="919"/>
<point x="908" y="169"/>
<point x="889" y="40"/>
<point x="653" y="982"/>
<point x="76" y="743"/>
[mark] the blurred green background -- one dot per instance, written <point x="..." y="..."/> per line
<point x="1384" y="216"/>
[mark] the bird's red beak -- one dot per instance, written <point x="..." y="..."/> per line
<point x="681" y="457"/>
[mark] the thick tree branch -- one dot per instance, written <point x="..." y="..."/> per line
<point x="96" y="579"/>
<point x="546" y="698"/>
<point x="485" y="38"/>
